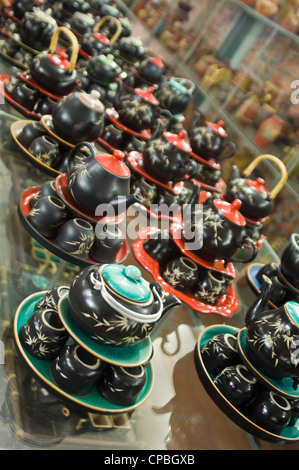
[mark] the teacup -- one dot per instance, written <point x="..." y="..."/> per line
<point x="108" y="242"/>
<point x="211" y="286"/>
<point x="220" y="352"/>
<point x="146" y="190"/>
<point x="45" y="149"/>
<point x="46" y="189"/>
<point x="181" y="274"/>
<point x="43" y="335"/>
<point x="51" y="298"/>
<point x="25" y="96"/>
<point x="31" y="131"/>
<point x="237" y="384"/>
<point x="76" y="236"/>
<point x="47" y="215"/>
<point x="75" y="370"/>
<point x="162" y="247"/>
<point x="271" y="411"/>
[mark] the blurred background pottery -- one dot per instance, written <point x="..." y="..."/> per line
<point x="37" y="28"/>
<point x="175" y="94"/>
<point x="152" y="69"/>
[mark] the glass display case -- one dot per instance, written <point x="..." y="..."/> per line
<point x="180" y="414"/>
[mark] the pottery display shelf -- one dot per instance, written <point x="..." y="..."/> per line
<point x="23" y="211"/>
<point x="288" y="435"/>
<point x="93" y="402"/>
<point x="226" y="305"/>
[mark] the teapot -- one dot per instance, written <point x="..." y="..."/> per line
<point x="257" y="201"/>
<point x="79" y="116"/>
<point x="136" y="110"/>
<point x="223" y="231"/>
<point x="100" y="179"/>
<point x="151" y="69"/>
<point x="209" y="140"/>
<point x="167" y="158"/>
<point x="53" y="71"/>
<point x="102" y="69"/>
<point x="115" y="305"/>
<point x="175" y="94"/>
<point x="272" y="336"/>
<point x="37" y="28"/>
<point x="131" y="49"/>
<point x="97" y="42"/>
<point x="81" y="23"/>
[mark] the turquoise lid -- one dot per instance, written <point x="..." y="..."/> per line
<point x="293" y="310"/>
<point x="127" y="282"/>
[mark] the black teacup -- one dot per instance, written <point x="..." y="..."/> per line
<point x="237" y="384"/>
<point x="47" y="215"/>
<point x="108" y="242"/>
<point x="51" y="298"/>
<point x="25" y="96"/>
<point x="44" y="105"/>
<point x="161" y="247"/>
<point x="181" y="274"/>
<point x="45" y="149"/>
<point x="121" y="385"/>
<point x="146" y="190"/>
<point x="113" y="136"/>
<point x="46" y="189"/>
<point x="220" y="352"/>
<point x="43" y="335"/>
<point x="76" y="237"/>
<point x="31" y="131"/>
<point x="75" y="370"/>
<point x="271" y="411"/>
<point x="211" y="286"/>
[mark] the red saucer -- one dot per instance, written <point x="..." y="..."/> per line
<point x="26" y="78"/>
<point x="62" y="190"/>
<point x="216" y="265"/>
<point x="30" y="114"/>
<point x="24" y="209"/>
<point x="113" y="116"/>
<point x="211" y="163"/>
<point x="226" y="305"/>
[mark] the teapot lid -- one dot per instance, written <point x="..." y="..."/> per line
<point x="107" y="60"/>
<point x="231" y="211"/>
<point x="102" y="37"/>
<point x="258" y="184"/>
<point x="292" y="309"/>
<point x="91" y="100"/>
<point x="217" y="128"/>
<point x="60" y="58"/>
<point x="179" y="140"/>
<point x="147" y="95"/>
<point x="114" y="163"/>
<point x="127" y="282"/>
<point x="157" y="61"/>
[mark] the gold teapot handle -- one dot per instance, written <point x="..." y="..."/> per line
<point x="72" y="38"/>
<point x="284" y="174"/>
<point x="118" y="27"/>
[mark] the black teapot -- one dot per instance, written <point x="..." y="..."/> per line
<point x="131" y="49"/>
<point x="37" y="28"/>
<point x="175" y="94"/>
<point x="52" y="70"/>
<point x="209" y="140"/>
<point x="136" y="110"/>
<point x="167" y="157"/>
<point x="81" y="23"/>
<point x="100" y="179"/>
<point x="223" y="232"/>
<point x="97" y="42"/>
<point x="152" y="70"/>
<point x="257" y="201"/>
<point x="79" y="116"/>
<point x="272" y="336"/>
<point x="103" y="69"/>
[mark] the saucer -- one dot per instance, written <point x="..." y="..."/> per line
<point x="113" y="116"/>
<point x="216" y="265"/>
<point x="93" y="402"/>
<point x="284" y="386"/>
<point x="18" y="107"/>
<point x="289" y="434"/>
<point x="251" y="274"/>
<point x="226" y="305"/>
<point x="26" y="78"/>
<point x="126" y="356"/>
<point x="16" y="129"/>
<point x="209" y="163"/>
<point x="46" y="121"/>
<point x="61" y="188"/>
<point x="23" y="211"/>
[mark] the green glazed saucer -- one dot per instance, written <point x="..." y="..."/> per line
<point x="127" y="356"/>
<point x="94" y="401"/>
<point x="288" y="435"/>
<point x="284" y="386"/>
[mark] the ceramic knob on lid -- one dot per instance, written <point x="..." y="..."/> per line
<point x="147" y="95"/>
<point x="231" y="211"/>
<point x="217" y="128"/>
<point x="179" y="140"/>
<point x="114" y="163"/>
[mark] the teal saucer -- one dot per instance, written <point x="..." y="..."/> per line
<point x="127" y="356"/>
<point x="284" y="386"/>
<point x="93" y="402"/>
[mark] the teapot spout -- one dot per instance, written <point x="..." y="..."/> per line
<point x="260" y="305"/>
<point x="234" y="173"/>
<point x="194" y="123"/>
<point x="169" y="301"/>
<point x="118" y="95"/>
<point x="122" y="203"/>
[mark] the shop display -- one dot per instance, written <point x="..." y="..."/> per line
<point x="118" y="125"/>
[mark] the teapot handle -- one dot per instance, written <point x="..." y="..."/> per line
<point x="118" y="27"/>
<point x="72" y="38"/>
<point x="188" y="84"/>
<point x="252" y="256"/>
<point x="79" y="146"/>
<point x="232" y="152"/>
<point x="284" y="174"/>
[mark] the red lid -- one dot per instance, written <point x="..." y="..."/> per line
<point x="60" y="59"/>
<point x="179" y="140"/>
<point x="114" y="163"/>
<point x="102" y="37"/>
<point x="258" y="184"/>
<point x="147" y="95"/>
<point x="231" y="211"/>
<point x="217" y="128"/>
<point x="157" y="61"/>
